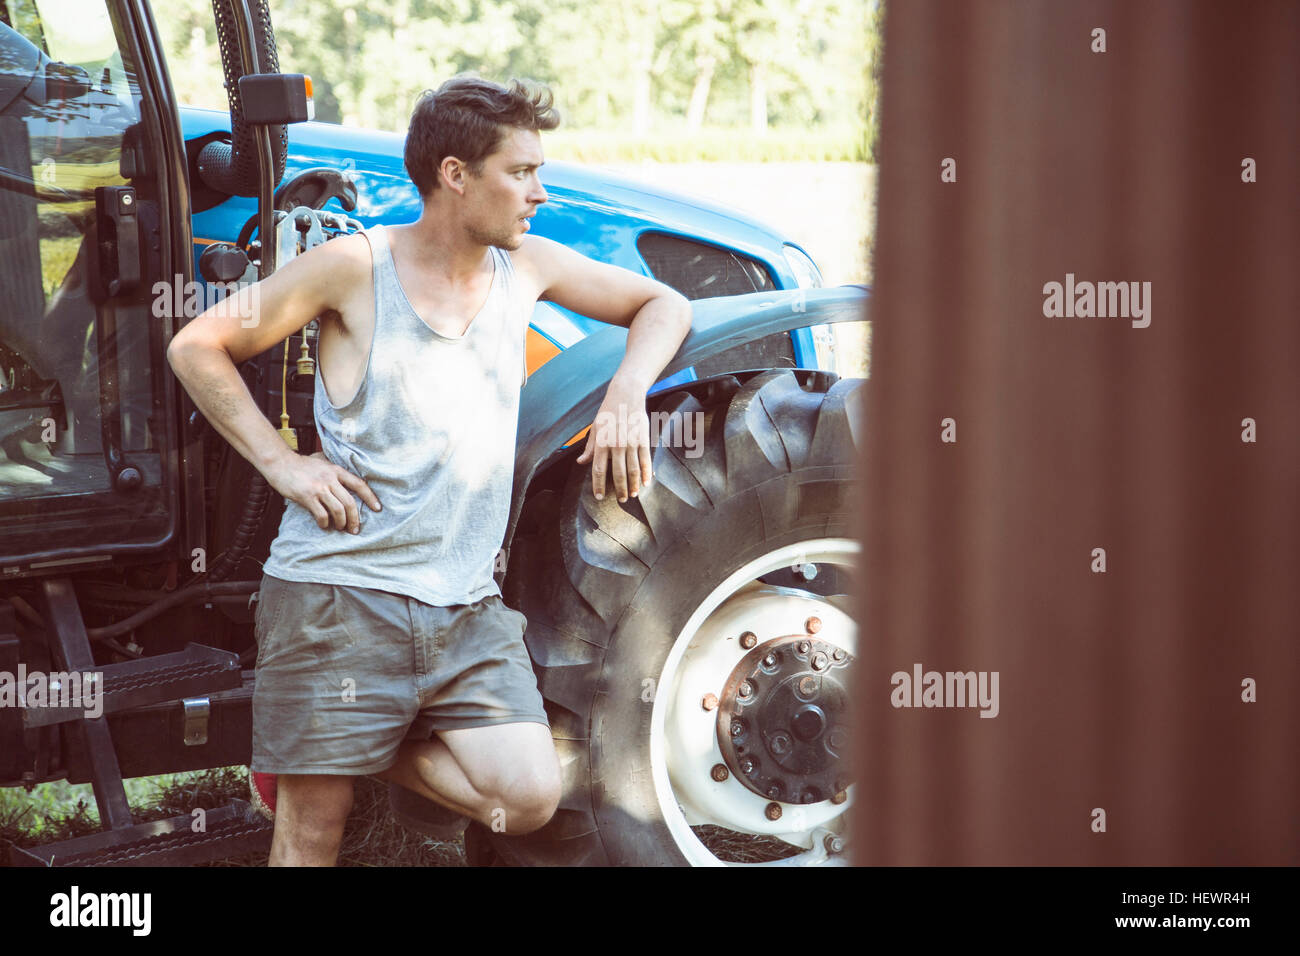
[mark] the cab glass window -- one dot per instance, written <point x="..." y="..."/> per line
<point x="77" y="397"/>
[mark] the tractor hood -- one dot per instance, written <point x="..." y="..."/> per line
<point x="596" y="212"/>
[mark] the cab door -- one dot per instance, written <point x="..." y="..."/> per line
<point x="88" y="463"/>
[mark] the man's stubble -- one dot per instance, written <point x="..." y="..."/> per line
<point x="502" y="240"/>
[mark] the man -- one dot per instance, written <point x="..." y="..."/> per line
<point x="383" y="645"/>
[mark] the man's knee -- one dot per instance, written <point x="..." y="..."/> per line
<point x="525" y="798"/>
<point x="526" y="806"/>
<point x="514" y="769"/>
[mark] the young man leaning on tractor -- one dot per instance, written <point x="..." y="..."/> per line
<point x="383" y="645"/>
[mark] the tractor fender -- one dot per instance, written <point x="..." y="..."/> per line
<point x="563" y="396"/>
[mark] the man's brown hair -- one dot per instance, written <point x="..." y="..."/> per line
<point x="465" y="118"/>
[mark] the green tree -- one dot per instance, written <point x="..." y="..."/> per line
<point x="635" y="66"/>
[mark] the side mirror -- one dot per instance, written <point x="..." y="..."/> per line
<point x="274" y="98"/>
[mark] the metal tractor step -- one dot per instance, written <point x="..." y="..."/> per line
<point x="232" y="830"/>
<point x="192" y="672"/>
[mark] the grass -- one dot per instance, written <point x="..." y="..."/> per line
<point x="62" y="811"/>
<point x="49" y="802"/>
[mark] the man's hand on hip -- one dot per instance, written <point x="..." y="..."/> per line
<point x="323" y="488"/>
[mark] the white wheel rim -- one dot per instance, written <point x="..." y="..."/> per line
<point x="683" y="743"/>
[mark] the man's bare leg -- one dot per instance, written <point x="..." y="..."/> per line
<point x="429" y="769"/>
<point x="310" y="811"/>
<point x="506" y="775"/>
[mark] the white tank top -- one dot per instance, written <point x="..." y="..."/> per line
<point x="432" y="431"/>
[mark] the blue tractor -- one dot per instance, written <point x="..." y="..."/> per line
<point x="694" y="645"/>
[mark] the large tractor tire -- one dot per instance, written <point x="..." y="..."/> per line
<point x="694" y="644"/>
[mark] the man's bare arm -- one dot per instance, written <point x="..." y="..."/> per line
<point x="658" y="319"/>
<point x="205" y="354"/>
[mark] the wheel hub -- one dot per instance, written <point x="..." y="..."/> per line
<point x="697" y="786"/>
<point x="783" y="720"/>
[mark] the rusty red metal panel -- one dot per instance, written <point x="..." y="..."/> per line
<point x="1120" y="690"/>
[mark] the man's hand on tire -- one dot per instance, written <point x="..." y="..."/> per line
<point x="618" y="445"/>
<point x="323" y="488"/>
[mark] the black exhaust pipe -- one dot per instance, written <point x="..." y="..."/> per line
<point x="251" y="165"/>
<point x="232" y="168"/>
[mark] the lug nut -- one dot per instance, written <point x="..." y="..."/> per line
<point x="747" y="766"/>
<point x="710" y="702"/>
<point x="772" y="811"/>
<point x="840" y="797"/>
<point x="807" y="685"/>
<point x="737" y="728"/>
<point x="748" y="640"/>
<point x="833" y="843"/>
<point x="803" y="647"/>
<point x="720" y="772"/>
<point x="746" y="689"/>
<point x="812" y="625"/>
<point x="820" y="661"/>
<point x="839" y="654"/>
<point x="780" y="743"/>
<point x="769" y="661"/>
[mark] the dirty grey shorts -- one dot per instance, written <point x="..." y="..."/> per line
<point x="345" y="674"/>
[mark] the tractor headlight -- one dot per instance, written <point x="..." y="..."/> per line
<point x="806" y="273"/>
<point x="808" y="276"/>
